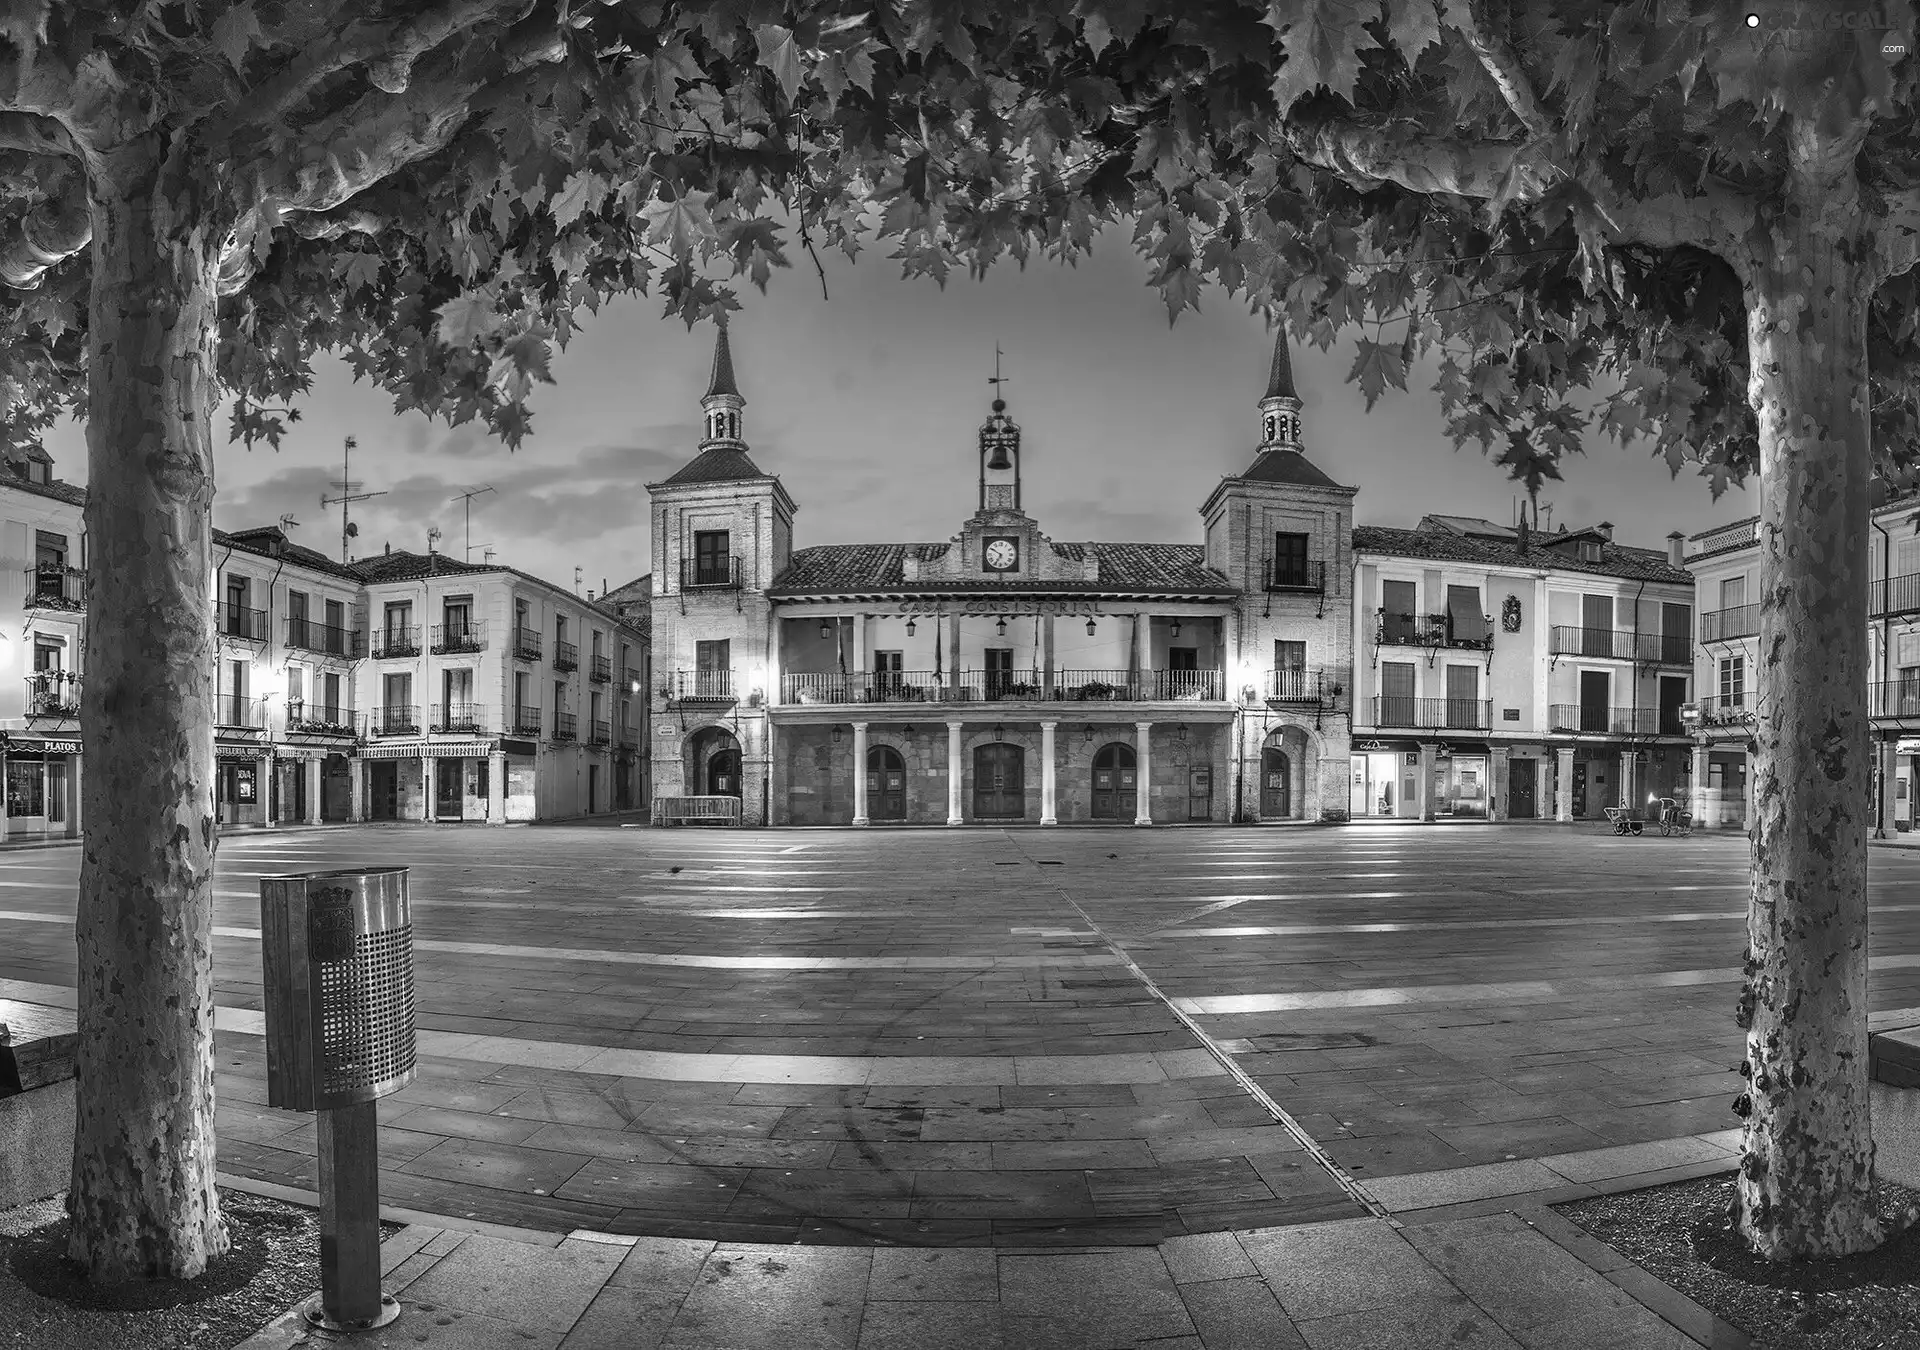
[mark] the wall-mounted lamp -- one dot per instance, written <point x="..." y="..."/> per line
<point x="826" y="628"/>
<point x="1180" y="733"/>
<point x="1175" y="630"/>
<point x="999" y="732"/>
<point x="1001" y="628"/>
<point x="836" y="735"/>
<point x="907" y="730"/>
<point x="909" y="627"/>
<point x="1089" y="733"/>
<point x="1091" y="626"/>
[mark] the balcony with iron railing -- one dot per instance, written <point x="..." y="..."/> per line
<point x="453" y="638"/>
<point x="394" y="720"/>
<point x="700" y="686"/>
<point x="1897" y="700"/>
<point x="602" y="733"/>
<point x="1726" y="710"/>
<point x="526" y="644"/>
<point x="632" y="679"/>
<point x="1320" y="687"/>
<point x="628" y="735"/>
<point x="237" y="712"/>
<point x="566" y="655"/>
<point x="1603" y="720"/>
<point x="52" y="694"/>
<point x="716" y="574"/>
<point x="1429" y="630"/>
<point x="601" y="669"/>
<point x="1721" y="625"/>
<point x="566" y="726"/>
<point x="396" y="640"/>
<point x="1096" y="686"/>
<point x="458" y="719"/>
<point x="1449" y="714"/>
<point x="1888" y="596"/>
<point x="317" y="719"/>
<point x="526" y="720"/>
<point x="51" y="586"/>
<point x="327" y="639"/>
<point x="1288" y="574"/>
<point x="237" y="621"/>
<point x="1000" y="686"/>
<point x="1621" y="644"/>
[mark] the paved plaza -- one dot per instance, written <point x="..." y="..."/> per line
<point x="1012" y="1038"/>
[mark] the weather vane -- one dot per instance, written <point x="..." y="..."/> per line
<point x="997" y="378"/>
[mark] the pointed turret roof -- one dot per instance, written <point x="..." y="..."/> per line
<point x="1280" y="378"/>
<point x="723" y="381"/>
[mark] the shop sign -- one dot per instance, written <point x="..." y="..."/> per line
<point x="967" y="608"/>
<point x="1907" y="748"/>
<point x="1365" y="746"/>
<point x="242" y="752"/>
<point x="44" y="747"/>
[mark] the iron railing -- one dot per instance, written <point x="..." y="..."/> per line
<point x="50" y="586"/>
<point x="394" y="720"/>
<point x="697" y="686"/>
<point x="467" y="719"/>
<point x="1096" y="686"/>
<point x="720" y="574"/>
<point x="1427" y="630"/>
<point x="396" y="640"/>
<point x="601" y="671"/>
<point x="1894" y="595"/>
<point x="1453" y="714"/>
<point x="1719" y="625"/>
<point x="526" y="720"/>
<point x="566" y="655"/>
<point x="1726" y="711"/>
<point x="1287" y="574"/>
<point x="53" y="693"/>
<point x="526" y="643"/>
<point x="566" y="726"/>
<point x="1894" y="698"/>
<point x="1188" y="686"/>
<point x="632" y="679"/>
<point x="237" y="712"/>
<point x="237" y="621"/>
<point x="1602" y="719"/>
<point x="470" y="636"/>
<point x="1320" y="686"/>
<point x="602" y="732"/>
<point x="326" y="638"/>
<point x="319" y="719"/>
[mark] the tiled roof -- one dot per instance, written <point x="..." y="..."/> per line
<point x="60" y="492"/>
<point x="402" y="565"/>
<point x="631" y="603"/>
<point x="262" y="539"/>
<point x="1616" y="560"/>
<point x="718" y="464"/>
<point x="1286" y="466"/>
<point x="853" y="567"/>
<point x="722" y="381"/>
<point x="1280" y="377"/>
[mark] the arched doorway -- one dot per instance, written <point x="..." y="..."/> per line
<point x="1114" y="787"/>
<point x="1276" y="784"/>
<point x="886" y="784"/>
<point x="715" y="763"/>
<point x="999" y="782"/>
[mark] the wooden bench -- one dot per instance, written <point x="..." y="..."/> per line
<point x="711" y="810"/>
<point x="36" y="1100"/>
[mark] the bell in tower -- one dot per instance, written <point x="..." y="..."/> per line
<point x="999" y="461"/>
<point x="1280" y="405"/>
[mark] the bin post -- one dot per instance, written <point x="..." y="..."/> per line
<point x="350" y="1296"/>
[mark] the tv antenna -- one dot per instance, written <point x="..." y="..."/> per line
<point x="287" y="522"/>
<point x="347" y="495"/>
<point x="468" y="497"/>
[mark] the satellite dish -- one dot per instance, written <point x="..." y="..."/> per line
<point x="353" y="531"/>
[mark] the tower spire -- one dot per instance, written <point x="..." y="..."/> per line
<point x="999" y="450"/>
<point x="1280" y="405"/>
<point x="723" y="400"/>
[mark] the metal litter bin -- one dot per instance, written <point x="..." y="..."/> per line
<point x="336" y="952"/>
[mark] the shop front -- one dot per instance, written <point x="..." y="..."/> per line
<point x="1385" y="779"/>
<point x="1463" y="781"/>
<point x="42" y="786"/>
<point x="241" y="778"/>
<point x="432" y="780"/>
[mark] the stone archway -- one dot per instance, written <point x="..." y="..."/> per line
<point x="1289" y="777"/>
<point x="713" y="763"/>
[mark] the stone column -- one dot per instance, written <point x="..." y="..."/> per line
<point x="426" y="786"/>
<point x="311" y="768"/>
<point x="1427" y="752"/>
<point x="1886" y="756"/>
<point x="1137" y="662"/>
<point x="776" y="783"/>
<point x="1563" y="783"/>
<point x="496" y="788"/>
<point x="1143" y="798"/>
<point x="1048" y="782"/>
<point x="1497" y="789"/>
<point x="1697" y="803"/>
<point x="860" y="771"/>
<point x="356" y="790"/>
<point x="860" y="661"/>
<point x="954" y="816"/>
<point x="73" y="797"/>
<point x="263" y="790"/>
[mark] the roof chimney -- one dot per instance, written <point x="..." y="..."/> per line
<point x="1677" y="548"/>
<point x="389" y="546"/>
<point x="1605" y="530"/>
<point x="1520" y="536"/>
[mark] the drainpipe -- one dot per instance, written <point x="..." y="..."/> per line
<point x="1886" y="636"/>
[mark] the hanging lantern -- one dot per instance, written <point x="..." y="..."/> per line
<point x="1089" y="733"/>
<point x="999" y="732"/>
<point x="826" y="628"/>
<point x="1090" y="627"/>
<point x="1180" y="733"/>
<point x="1175" y="630"/>
<point x="1001" y="628"/>
<point x="836" y="735"/>
<point x="909" y="627"/>
<point x="907" y="730"/>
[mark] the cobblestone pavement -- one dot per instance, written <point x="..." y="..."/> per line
<point x="1023" y="1038"/>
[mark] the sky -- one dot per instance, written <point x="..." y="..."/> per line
<point x="867" y="404"/>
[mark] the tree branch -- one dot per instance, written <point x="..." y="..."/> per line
<point x="35" y="134"/>
<point x="1897" y="236"/>
<point x="51" y="233"/>
<point x="1367" y="157"/>
<point x="1502" y="63"/>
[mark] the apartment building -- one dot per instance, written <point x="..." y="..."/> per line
<point x="42" y="641"/>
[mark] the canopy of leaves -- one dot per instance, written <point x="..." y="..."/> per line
<point x="441" y="190"/>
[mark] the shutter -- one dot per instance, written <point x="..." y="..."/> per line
<point x="1468" y="621"/>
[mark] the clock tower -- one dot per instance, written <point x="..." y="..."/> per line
<point x="999" y="461"/>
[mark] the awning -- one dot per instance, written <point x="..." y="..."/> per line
<point x="41" y="745"/>
<point x="1464" y="615"/>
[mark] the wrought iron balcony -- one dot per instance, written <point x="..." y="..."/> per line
<point x="395" y="720"/>
<point x="1450" y="714"/>
<point x="315" y="719"/>
<point x="1429" y="630"/>
<point x="628" y="735"/>
<point x="327" y="639"/>
<point x="602" y="733"/>
<point x="601" y="669"/>
<point x="1188" y="686"/>
<point x="51" y="586"/>
<point x="566" y="726"/>
<point x="52" y="694"/>
<point x="883" y="686"/>
<point x="526" y="644"/>
<point x="237" y="621"/>
<point x="526" y="720"/>
<point x="1729" y="711"/>
<point x="396" y="640"/>
<point x="1720" y="625"/>
<point x="1600" y="719"/>
<point x="1316" y="687"/>
<point x="459" y="637"/>
<point x="1096" y="686"/>
<point x="237" y="712"/>
<point x="1002" y="686"/>
<point x="715" y="574"/>
<point x="1894" y="595"/>
<point x="632" y="679"/>
<point x="1896" y="699"/>
<point x="466" y="719"/>
<point x="701" y="686"/>
<point x="1621" y="644"/>
<point x="1288" y="574"/>
<point x="566" y="655"/>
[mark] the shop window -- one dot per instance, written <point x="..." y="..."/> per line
<point x="26" y="787"/>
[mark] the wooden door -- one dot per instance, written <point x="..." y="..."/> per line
<point x="1522" y="788"/>
<point x="448" y="774"/>
<point x="383" y="790"/>
<point x="886" y="784"/>
<point x="999" y="782"/>
<point x="1115" y="785"/>
<point x="1276" y="784"/>
<point x="1596" y="688"/>
<point x="723" y="773"/>
<point x="1200" y="792"/>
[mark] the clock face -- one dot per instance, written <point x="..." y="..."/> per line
<point x="1002" y="555"/>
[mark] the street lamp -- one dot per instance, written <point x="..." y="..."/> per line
<point x="909" y="627"/>
<point x="999" y="733"/>
<point x="836" y="735"/>
<point x="1090" y="627"/>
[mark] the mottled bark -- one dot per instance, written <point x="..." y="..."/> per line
<point x="1806" y="1184"/>
<point x="142" y="1201"/>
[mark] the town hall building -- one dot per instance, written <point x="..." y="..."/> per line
<point x="1001" y="675"/>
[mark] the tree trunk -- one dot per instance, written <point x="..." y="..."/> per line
<point x="1806" y="1184"/>
<point x="142" y="1200"/>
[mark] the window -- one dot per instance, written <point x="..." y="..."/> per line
<point x="1396" y="694"/>
<point x="626" y="663"/>
<point x="522" y="613"/>
<point x="712" y="655"/>
<point x="237" y="624"/>
<point x="559" y="696"/>
<point x="1733" y="681"/>
<point x="26" y="787"/>
<point x="1596" y="622"/>
<point x="1909" y="691"/>
<point x="296" y="692"/>
<point x="1733" y="592"/>
<point x="1466" y="622"/>
<point x="711" y="557"/>
<point x="1397" y="613"/>
<point x="1289" y="668"/>
<point x="234" y="707"/>
<point x="1463" y="696"/>
<point x="46" y="655"/>
<point x="330" y="706"/>
<point x="399" y="620"/>
<point x="596" y="643"/>
<point x="1290" y="560"/>
<point x="560" y="628"/>
<point x="49" y="550"/>
<point x="593" y="707"/>
<point x="457" y="614"/>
